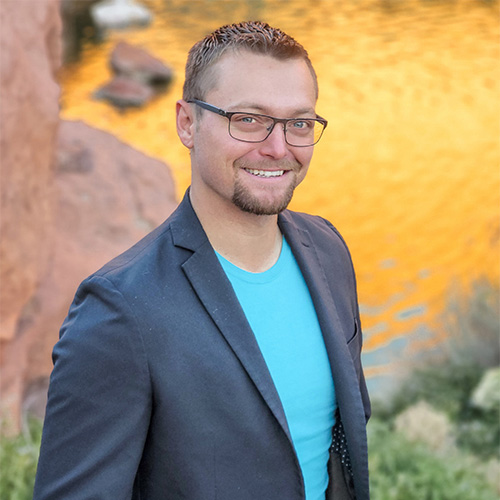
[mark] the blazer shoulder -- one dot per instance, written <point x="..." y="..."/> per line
<point x="140" y="253"/>
<point x="330" y="246"/>
<point x="317" y="226"/>
<point x="156" y="259"/>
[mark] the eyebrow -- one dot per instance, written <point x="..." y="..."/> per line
<point x="260" y="109"/>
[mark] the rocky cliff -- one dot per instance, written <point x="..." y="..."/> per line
<point x="72" y="197"/>
<point x="30" y="54"/>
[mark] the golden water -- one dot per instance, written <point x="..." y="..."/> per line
<point x="409" y="166"/>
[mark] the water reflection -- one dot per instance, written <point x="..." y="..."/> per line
<point x="408" y="167"/>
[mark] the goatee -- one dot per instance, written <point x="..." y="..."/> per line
<point x="246" y="201"/>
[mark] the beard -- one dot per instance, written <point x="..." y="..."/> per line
<point x="248" y="202"/>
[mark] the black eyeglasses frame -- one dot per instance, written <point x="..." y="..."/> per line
<point x="284" y="121"/>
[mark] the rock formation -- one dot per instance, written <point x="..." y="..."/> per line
<point x="138" y="76"/>
<point x="72" y="197"/>
<point x="124" y="92"/>
<point x="107" y="196"/>
<point x="30" y="55"/>
<point x="136" y="63"/>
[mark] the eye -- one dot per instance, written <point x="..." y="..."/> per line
<point x="245" y="119"/>
<point x="303" y="124"/>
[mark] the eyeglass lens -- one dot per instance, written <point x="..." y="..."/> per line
<point x="255" y="128"/>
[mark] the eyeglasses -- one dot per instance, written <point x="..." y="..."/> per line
<point x="253" y="127"/>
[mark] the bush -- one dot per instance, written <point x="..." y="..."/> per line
<point x="448" y="377"/>
<point x="400" y="470"/>
<point x="18" y="462"/>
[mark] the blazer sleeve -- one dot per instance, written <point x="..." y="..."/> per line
<point x="99" y="401"/>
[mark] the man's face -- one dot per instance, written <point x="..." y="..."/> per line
<point x="257" y="178"/>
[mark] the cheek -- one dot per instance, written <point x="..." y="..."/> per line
<point x="302" y="173"/>
<point x="216" y="143"/>
<point x="304" y="156"/>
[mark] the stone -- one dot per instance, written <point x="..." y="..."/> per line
<point x="72" y="197"/>
<point x="124" y="92"/>
<point x="119" y="14"/>
<point x="138" y="64"/>
<point x="107" y="196"/>
<point x="139" y="76"/>
<point x="30" y="53"/>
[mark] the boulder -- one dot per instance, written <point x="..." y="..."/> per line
<point x="30" y="52"/>
<point x="139" y="76"/>
<point x="136" y="63"/>
<point x="72" y="197"/>
<point x="124" y="92"/>
<point x="107" y="196"/>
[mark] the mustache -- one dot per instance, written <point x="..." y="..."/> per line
<point x="266" y="164"/>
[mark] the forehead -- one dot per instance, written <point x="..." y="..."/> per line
<point x="262" y="82"/>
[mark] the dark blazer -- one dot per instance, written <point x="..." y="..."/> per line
<point x="159" y="390"/>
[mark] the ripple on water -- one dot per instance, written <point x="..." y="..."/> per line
<point x="408" y="167"/>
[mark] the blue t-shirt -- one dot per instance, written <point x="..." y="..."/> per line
<point x="280" y="311"/>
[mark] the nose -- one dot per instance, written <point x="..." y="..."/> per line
<point x="275" y="145"/>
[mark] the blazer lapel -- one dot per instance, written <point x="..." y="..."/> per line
<point x="206" y="276"/>
<point x="342" y="366"/>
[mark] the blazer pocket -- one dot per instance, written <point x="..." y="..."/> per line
<point x="354" y="335"/>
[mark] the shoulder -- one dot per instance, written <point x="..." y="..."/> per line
<point x="154" y="255"/>
<point x="318" y="227"/>
<point x="140" y="256"/>
<point x="304" y="230"/>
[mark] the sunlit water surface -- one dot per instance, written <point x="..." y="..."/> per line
<point x="408" y="168"/>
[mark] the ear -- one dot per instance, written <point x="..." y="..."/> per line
<point x="185" y="123"/>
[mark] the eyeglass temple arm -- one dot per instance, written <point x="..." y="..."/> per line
<point x="208" y="107"/>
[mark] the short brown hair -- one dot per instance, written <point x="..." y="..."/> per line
<point x="254" y="36"/>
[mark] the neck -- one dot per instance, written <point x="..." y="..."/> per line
<point x="251" y="242"/>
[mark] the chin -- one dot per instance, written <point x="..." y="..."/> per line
<point x="246" y="202"/>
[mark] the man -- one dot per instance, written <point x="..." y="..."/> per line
<point x="217" y="357"/>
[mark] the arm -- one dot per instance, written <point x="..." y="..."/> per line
<point x="99" y="400"/>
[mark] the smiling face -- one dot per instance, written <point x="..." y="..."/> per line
<point x="256" y="178"/>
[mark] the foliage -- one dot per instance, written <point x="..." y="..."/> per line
<point x="448" y="377"/>
<point x="18" y="462"/>
<point x="487" y="393"/>
<point x="401" y="470"/>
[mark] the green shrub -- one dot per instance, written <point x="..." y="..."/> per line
<point x="18" y="462"/>
<point x="447" y="377"/>
<point x="400" y="470"/>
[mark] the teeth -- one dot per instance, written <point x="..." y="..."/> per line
<point x="266" y="173"/>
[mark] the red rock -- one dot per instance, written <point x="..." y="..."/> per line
<point x="138" y="64"/>
<point x="107" y="196"/>
<point x="123" y="92"/>
<point x="62" y="215"/>
<point x="30" y="50"/>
